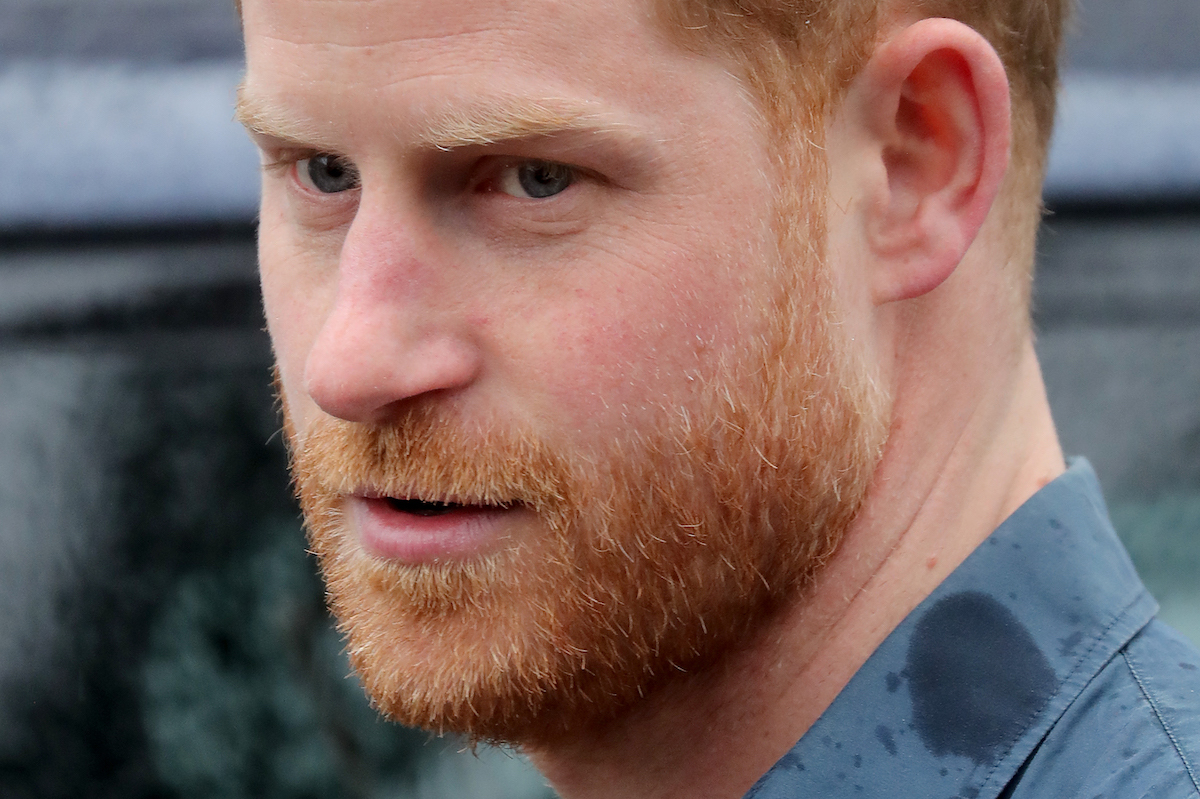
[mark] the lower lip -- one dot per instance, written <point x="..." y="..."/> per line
<point x="407" y="538"/>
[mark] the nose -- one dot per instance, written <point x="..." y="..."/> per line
<point x="395" y="331"/>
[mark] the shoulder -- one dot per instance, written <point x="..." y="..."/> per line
<point x="1134" y="731"/>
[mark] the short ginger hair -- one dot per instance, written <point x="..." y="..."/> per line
<point x="800" y="56"/>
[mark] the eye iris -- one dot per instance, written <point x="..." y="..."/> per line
<point x="331" y="174"/>
<point x="543" y="179"/>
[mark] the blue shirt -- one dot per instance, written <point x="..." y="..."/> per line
<point x="1035" y="670"/>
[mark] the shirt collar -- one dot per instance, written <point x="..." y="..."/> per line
<point x="961" y="692"/>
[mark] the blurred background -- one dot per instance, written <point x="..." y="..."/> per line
<point x="162" y="632"/>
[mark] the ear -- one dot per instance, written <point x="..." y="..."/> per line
<point x="930" y="115"/>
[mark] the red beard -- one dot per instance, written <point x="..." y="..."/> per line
<point x="650" y="558"/>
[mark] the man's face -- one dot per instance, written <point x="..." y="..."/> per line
<point x="567" y="420"/>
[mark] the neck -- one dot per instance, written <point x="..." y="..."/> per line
<point x="953" y="470"/>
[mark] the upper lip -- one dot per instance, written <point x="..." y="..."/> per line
<point x="438" y="499"/>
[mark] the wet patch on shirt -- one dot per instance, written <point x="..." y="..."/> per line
<point x="1067" y="645"/>
<point x="893" y="682"/>
<point x="791" y="761"/>
<point x="884" y="734"/>
<point x="1188" y="666"/>
<point x="976" y="677"/>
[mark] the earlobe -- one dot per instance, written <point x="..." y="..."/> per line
<point x="933" y="101"/>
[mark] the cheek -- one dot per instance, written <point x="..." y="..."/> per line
<point x="614" y="352"/>
<point x="298" y="286"/>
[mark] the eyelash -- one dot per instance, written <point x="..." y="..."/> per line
<point x="281" y="162"/>
<point x="487" y="173"/>
<point x="506" y="171"/>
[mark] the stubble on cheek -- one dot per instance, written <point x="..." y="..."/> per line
<point x="651" y="558"/>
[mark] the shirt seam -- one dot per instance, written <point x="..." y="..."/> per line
<point x="1079" y="664"/>
<point x="1137" y="678"/>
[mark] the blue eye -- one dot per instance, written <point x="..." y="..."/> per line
<point x="327" y="174"/>
<point x="536" y="179"/>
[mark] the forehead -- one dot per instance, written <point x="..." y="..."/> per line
<point x="394" y="61"/>
<point x="429" y="28"/>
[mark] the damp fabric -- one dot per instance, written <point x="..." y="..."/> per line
<point x="1037" y="669"/>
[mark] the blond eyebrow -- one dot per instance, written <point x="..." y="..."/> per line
<point x="507" y="120"/>
<point x="478" y="123"/>
<point x="267" y="119"/>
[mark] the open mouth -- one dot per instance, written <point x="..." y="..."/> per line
<point x="433" y="528"/>
<point x="422" y="507"/>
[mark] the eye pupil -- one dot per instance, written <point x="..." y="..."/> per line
<point x="540" y="179"/>
<point x="331" y="174"/>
